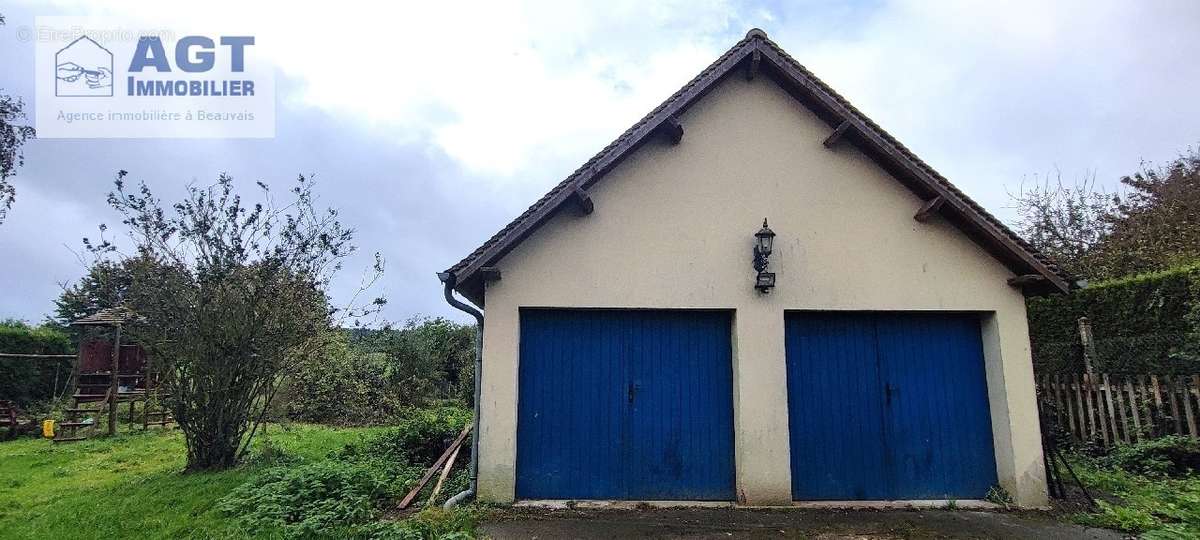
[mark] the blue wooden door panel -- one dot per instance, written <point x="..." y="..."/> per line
<point x="939" y="429"/>
<point x="835" y="417"/>
<point x="888" y="406"/>
<point x="680" y="443"/>
<point x="625" y="405"/>
<point x="571" y="409"/>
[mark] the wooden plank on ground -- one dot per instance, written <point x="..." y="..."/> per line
<point x="437" y="465"/>
<point x="1133" y="406"/>
<point x="437" y="488"/>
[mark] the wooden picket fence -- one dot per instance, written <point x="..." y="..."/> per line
<point x="1112" y="409"/>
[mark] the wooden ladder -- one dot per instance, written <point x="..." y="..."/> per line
<point x="74" y="418"/>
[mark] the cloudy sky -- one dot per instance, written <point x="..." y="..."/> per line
<point x="431" y="127"/>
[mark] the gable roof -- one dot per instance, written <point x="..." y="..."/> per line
<point x="759" y="56"/>
<point x="114" y="316"/>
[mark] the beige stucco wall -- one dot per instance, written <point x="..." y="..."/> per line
<point x="673" y="228"/>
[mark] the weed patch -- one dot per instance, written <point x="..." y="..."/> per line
<point x="1153" y="503"/>
<point x="1174" y="455"/>
<point x="346" y="494"/>
<point x="308" y="500"/>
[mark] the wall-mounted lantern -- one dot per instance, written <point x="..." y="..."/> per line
<point x="763" y="240"/>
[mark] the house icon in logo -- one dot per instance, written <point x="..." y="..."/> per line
<point x="82" y="69"/>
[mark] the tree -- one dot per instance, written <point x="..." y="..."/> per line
<point x="1157" y="224"/>
<point x="13" y="134"/>
<point x="226" y="297"/>
<point x="1067" y="223"/>
<point x="343" y="386"/>
<point x="1153" y="224"/>
<point x="428" y="358"/>
<point x="371" y="376"/>
<point x="104" y="286"/>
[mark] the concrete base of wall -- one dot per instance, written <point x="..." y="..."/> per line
<point x="849" y="505"/>
<point x="970" y="504"/>
<point x="621" y="505"/>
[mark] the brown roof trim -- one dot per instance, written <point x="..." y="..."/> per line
<point x="834" y="109"/>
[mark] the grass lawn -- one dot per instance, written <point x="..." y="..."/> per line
<point x="1154" y="506"/>
<point x="131" y="486"/>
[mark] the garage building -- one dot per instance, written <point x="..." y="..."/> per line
<point x="648" y="339"/>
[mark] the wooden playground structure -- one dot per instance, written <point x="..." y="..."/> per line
<point x="106" y="374"/>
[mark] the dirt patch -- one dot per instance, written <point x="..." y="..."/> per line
<point x="782" y="523"/>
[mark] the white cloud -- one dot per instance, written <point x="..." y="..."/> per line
<point x="523" y="91"/>
<point x="438" y="123"/>
<point x="498" y="85"/>
<point x="990" y="92"/>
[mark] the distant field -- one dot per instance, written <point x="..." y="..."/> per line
<point x="130" y="486"/>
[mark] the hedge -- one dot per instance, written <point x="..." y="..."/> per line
<point x="28" y="381"/>
<point x="1141" y="324"/>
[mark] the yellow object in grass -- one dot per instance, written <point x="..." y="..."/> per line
<point x="48" y="429"/>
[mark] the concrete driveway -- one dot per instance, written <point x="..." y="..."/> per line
<point x="728" y="523"/>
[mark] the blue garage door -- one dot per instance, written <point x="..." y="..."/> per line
<point x="631" y="404"/>
<point x="888" y="406"/>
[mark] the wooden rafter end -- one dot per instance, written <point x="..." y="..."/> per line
<point x="582" y="201"/>
<point x="929" y="209"/>
<point x="837" y="134"/>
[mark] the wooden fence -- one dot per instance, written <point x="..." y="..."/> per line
<point x="1119" y="409"/>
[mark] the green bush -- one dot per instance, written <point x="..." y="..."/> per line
<point x="343" y="386"/>
<point x="344" y="495"/>
<point x="310" y="499"/>
<point x="1142" y="324"/>
<point x="429" y="359"/>
<point x="27" y="381"/>
<point x="414" y="444"/>
<point x="419" y="437"/>
<point x="1174" y="455"/>
<point x="368" y="377"/>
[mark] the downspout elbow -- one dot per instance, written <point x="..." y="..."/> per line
<point x="449" y="280"/>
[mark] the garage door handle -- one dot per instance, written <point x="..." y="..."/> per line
<point x="887" y="390"/>
<point x="632" y="391"/>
